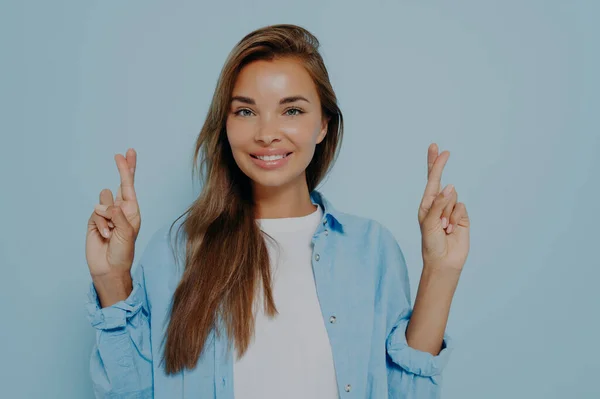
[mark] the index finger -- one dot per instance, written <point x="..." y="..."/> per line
<point x="126" y="174"/>
<point x="436" y="164"/>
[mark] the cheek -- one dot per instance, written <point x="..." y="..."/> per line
<point x="236" y="133"/>
<point x="304" y="132"/>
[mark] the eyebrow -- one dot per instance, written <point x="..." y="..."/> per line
<point x="286" y="100"/>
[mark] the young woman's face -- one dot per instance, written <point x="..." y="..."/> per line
<point x="275" y="114"/>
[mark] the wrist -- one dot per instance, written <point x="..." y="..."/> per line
<point x="442" y="273"/>
<point x="436" y="291"/>
<point x="112" y="289"/>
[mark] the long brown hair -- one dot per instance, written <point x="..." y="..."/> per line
<point x="225" y="251"/>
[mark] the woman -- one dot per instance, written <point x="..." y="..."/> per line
<point x="280" y="295"/>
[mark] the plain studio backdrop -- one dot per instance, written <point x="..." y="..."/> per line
<point x="510" y="88"/>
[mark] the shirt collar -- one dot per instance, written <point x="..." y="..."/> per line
<point x="332" y="215"/>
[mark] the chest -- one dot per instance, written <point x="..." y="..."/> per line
<point x="345" y="283"/>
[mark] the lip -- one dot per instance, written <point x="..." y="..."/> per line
<point x="270" y="165"/>
<point x="271" y="151"/>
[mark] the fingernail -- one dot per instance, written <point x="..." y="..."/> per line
<point x="448" y="190"/>
<point x="101" y="208"/>
<point x="449" y="230"/>
<point x="444" y="222"/>
<point x="106" y="233"/>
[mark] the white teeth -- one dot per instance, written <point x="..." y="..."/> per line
<point x="270" y="157"/>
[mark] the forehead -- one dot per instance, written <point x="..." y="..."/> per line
<point x="274" y="79"/>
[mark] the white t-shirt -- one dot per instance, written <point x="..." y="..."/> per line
<point x="290" y="356"/>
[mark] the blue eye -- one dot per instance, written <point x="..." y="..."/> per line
<point x="242" y="112"/>
<point x="295" y="112"/>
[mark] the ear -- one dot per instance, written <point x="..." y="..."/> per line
<point x="323" y="132"/>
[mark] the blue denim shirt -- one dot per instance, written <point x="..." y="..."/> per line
<point x="363" y="289"/>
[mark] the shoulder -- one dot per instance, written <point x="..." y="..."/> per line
<point x="373" y="238"/>
<point x="370" y="246"/>
<point x="366" y="229"/>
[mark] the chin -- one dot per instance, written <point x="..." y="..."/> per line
<point x="272" y="181"/>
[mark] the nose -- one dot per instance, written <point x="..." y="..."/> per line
<point x="268" y="130"/>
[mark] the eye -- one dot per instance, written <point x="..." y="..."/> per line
<point x="294" y="112"/>
<point x="243" y="112"/>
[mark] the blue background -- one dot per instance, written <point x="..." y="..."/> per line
<point x="510" y="88"/>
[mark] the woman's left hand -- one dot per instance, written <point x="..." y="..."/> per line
<point x="445" y="243"/>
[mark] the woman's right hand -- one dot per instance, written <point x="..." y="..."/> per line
<point x="113" y="227"/>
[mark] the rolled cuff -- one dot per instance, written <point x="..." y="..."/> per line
<point x="413" y="360"/>
<point x="114" y="316"/>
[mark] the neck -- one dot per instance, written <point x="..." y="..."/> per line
<point x="282" y="202"/>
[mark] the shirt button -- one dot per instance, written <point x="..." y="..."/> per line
<point x="325" y="221"/>
<point x="348" y="388"/>
<point x="332" y="319"/>
<point x="326" y="232"/>
<point x="317" y="257"/>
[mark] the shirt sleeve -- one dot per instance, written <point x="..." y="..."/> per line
<point x="412" y="373"/>
<point x="121" y="359"/>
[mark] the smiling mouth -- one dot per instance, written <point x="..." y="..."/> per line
<point x="270" y="157"/>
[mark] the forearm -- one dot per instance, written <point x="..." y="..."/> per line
<point x="427" y="324"/>
<point x="121" y="360"/>
<point x="113" y="289"/>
